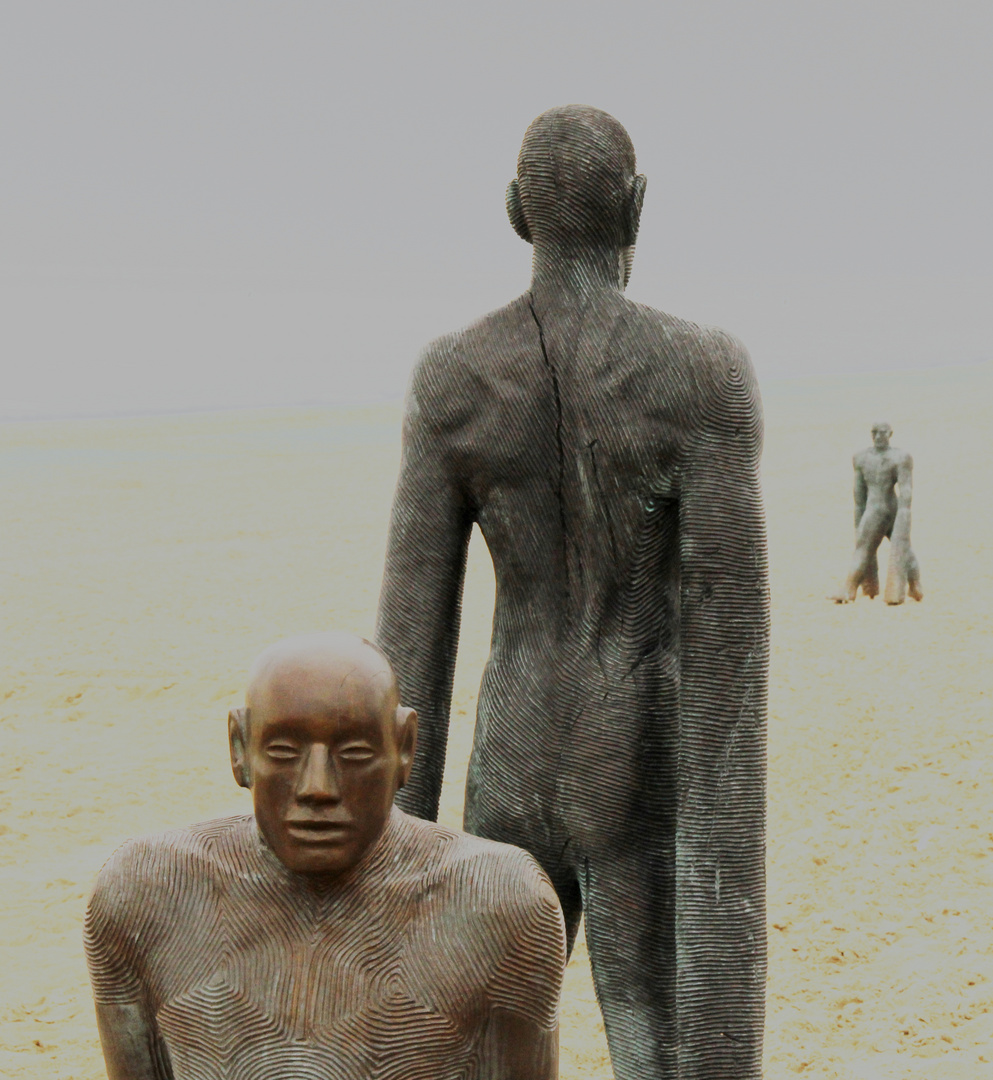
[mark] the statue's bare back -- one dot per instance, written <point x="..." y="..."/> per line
<point x="609" y="455"/>
<point x="568" y="432"/>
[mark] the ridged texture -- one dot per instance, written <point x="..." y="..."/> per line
<point x="250" y="972"/>
<point x="609" y="454"/>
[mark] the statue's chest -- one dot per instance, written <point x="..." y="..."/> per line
<point x="880" y="473"/>
<point x="309" y="993"/>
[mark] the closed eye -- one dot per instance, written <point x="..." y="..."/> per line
<point x="357" y="753"/>
<point x="282" y="751"/>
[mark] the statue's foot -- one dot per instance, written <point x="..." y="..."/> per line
<point x="914" y="588"/>
<point x="841" y="598"/>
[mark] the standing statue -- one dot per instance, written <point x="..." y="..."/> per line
<point x="330" y="935"/>
<point x="609" y="454"/>
<point x="879" y="512"/>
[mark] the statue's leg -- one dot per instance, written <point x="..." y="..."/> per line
<point x="631" y="934"/>
<point x="872" y="528"/>
<point x="856" y="576"/>
<point x="913" y="576"/>
<point x="896" y="579"/>
<point x="897" y="569"/>
<point x="630" y="931"/>
<point x="870" y="579"/>
<point x="567" y="888"/>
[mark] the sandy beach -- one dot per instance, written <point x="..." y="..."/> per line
<point x="145" y="562"/>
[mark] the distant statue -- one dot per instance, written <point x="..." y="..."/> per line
<point x="609" y="453"/>
<point x="331" y="935"/>
<point x="881" y="511"/>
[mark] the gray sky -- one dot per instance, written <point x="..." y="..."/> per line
<point x="225" y="204"/>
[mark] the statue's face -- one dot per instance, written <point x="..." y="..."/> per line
<point x="881" y="437"/>
<point x="325" y="764"/>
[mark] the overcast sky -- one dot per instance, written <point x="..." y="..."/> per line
<point x="226" y="204"/>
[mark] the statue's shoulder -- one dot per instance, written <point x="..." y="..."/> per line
<point x="454" y="374"/>
<point x="670" y="333"/>
<point x="715" y="357"/>
<point x="147" y="866"/>
<point x="503" y="876"/>
<point x="510" y="891"/>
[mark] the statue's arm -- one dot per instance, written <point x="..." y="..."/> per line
<point x="113" y="934"/>
<point x="516" y="1048"/>
<point x="900" y="533"/>
<point x="905" y="483"/>
<point x="861" y="492"/>
<point x="132" y="1047"/>
<point x="421" y="597"/>
<point x="522" y="1034"/>
<point x="720" y="825"/>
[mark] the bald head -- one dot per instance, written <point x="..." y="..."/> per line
<point x="337" y="668"/>
<point x="881" y="434"/>
<point x="324" y="746"/>
<point x="576" y="180"/>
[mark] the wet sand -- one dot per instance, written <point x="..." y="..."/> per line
<point x="146" y="561"/>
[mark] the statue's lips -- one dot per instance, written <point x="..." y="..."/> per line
<point x="318" y="831"/>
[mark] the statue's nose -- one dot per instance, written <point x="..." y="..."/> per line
<point x="319" y="776"/>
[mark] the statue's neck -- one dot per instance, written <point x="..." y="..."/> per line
<point x="578" y="272"/>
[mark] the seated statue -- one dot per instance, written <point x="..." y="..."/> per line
<point x="329" y="936"/>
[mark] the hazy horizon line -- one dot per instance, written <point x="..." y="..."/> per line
<point x="396" y="397"/>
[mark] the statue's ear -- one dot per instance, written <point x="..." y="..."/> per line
<point x="406" y="729"/>
<point x="238" y="745"/>
<point x="635" y="203"/>
<point x="515" y="211"/>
